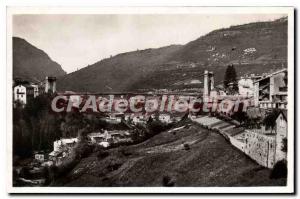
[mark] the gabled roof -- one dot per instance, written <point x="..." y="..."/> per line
<point x="284" y="113"/>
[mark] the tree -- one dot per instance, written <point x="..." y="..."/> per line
<point x="35" y="126"/>
<point x="270" y="120"/>
<point x="279" y="170"/>
<point x="230" y="80"/>
<point x="240" y="116"/>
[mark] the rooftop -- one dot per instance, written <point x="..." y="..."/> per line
<point x="272" y="74"/>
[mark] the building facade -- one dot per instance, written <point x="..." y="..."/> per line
<point x="271" y="90"/>
<point x="246" y="85"/>
<point x="20" y="94"/>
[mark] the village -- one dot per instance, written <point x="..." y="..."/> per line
<point x="264" y="144"/>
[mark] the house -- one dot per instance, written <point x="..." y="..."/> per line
<point x="115" y="118"/>
<point x="99" y="137"/>
<point x="39" y="157"/>
<point x="104" y="144"/>
<point x="120" y="136"/>
<point x="30" y="91"/>
<point x="246" y="85"/>
<point x="166" y="118"/>
<point x="55" y="156"/>
<point x="217" y="92"/>
<point x="20" y="94"/>
<point x="270" y="91"/>
<point x="61" y="149"/>
<point x="281" y="136"/>
<point x="139" y="119"/>
<point x="35" y="90"/>
<point x="48" y="85"/>
<point x="62" y="143"/>
<point x="24" y="90"/>
<point x="104" y="139"/>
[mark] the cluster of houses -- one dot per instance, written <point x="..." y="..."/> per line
<point x="63" y="147"/>
<point x="141" y="118"/>
<point x="266" y="92"/>
<point x="104" y="138"/>
<point x="25" y="90"/>
<point x="107" y="138"/>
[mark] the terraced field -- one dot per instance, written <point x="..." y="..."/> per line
<point x="190" y="156"/>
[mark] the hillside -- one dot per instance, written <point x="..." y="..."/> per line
<point x="209" y="161"/>
<point x="31" y="63"/>
<point x="252" y="48"/>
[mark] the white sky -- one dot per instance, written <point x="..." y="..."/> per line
<point x="74" y="41"/>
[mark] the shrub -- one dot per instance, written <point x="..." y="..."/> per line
<point x="102" y="154"/>
<point x="167" y="181"/>
<point x="270" y="120"/>
<point x="279" y="170"/>
<point x="82" y="150"/>
<point x="157" y="127"/>
<point x="186" y="146"/>
<point x="115" y="164"/>
<point x="125" y="151"/>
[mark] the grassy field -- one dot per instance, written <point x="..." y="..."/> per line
<point x="191" y="156"/>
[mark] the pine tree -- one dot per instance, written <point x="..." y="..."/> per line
<point x="230" y="79"/>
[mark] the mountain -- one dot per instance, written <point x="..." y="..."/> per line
<point x="252" y="48"/>
<point x="31" y="63"/>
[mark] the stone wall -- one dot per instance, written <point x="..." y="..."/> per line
<point x="281" y="130"/>
<point x="260" y="147"/>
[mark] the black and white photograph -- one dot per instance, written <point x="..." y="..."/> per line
<point x="150" y="100"/>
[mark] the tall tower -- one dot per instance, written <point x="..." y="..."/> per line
<point x="211" y="80"/>
<point x="208" y="83"/>
<point x="50" y="84"/>
<point x="205" y="89"/>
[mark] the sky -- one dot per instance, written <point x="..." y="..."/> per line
<point x="75" y="41"/>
